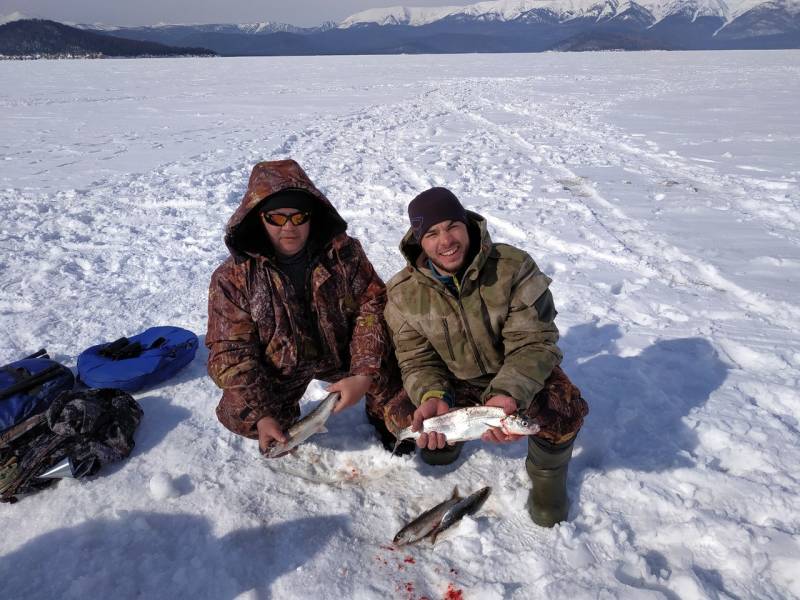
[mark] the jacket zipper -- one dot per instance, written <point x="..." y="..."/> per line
<point x="289" y="314"/>
<point x="323" y="339"/>
<point x="475" y="354"/>
<point x="447" y="339"/>
<point x="470" y="339"/>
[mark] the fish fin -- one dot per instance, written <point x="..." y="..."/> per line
<point x="396" y="446"/>
<point x="456" y="495"/>
<point x="433" y="537"/>
<point x="322" y="429"/>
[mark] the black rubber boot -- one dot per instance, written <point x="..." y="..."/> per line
<point x="388" y="440"/>
<point x="445" y="456"/>
<point x="547" y="467"/>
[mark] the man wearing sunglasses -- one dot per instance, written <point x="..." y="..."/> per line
<point x="473" y="324"/>
<point x="296" y="300"/>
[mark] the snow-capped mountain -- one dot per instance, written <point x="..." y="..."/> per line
<point x="264" y="27"/>
<point x="15" y="16"/>
<point x="502" y="26"/>
<point x="561" y="11"/>
<point x="224" y="38"/>
<point x="41" y="37"/>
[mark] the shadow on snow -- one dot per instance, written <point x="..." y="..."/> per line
<point x="638" y="403"/>
<point x="154" y="555"/>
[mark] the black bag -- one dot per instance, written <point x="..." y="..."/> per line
<point x="91" y="428"/>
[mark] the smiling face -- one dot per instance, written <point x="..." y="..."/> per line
<point x="447" y="245"/>
<point x="288" y="239"/>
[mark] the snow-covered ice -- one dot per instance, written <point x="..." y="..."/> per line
<point x="659" y="190"/>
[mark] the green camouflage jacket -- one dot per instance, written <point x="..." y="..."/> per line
<point x="498" y="333"/>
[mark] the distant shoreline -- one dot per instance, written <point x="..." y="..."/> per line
<point x="97" y="56"/>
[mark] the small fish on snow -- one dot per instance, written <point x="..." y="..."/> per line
<point x="445" y="514"/>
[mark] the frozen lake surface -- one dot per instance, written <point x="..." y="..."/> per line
<point x="661" y="191"/>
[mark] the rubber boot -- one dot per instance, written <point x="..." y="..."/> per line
<point x="445" y="456"/>
<point x="388" y="440"/>
<point x="547" y="467"/>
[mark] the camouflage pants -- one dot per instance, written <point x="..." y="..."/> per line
<point x="286" y="395"/>
<point x="558" y="408"/>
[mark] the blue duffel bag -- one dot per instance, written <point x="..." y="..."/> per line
<point x="28" y="386"/>
<point x="131" y="363"/>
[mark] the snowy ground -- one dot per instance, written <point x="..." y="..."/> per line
<point x="659" y="190"/>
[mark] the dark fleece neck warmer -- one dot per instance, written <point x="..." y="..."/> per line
<point x="295" y="268"/>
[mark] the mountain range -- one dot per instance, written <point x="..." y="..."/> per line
<point x="504" y="26"/>
<point x="39" y="37"/>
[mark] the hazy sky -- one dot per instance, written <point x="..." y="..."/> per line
<point x="148" y="12"/>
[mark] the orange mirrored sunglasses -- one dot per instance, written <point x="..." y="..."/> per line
<point x="279" y="220"/>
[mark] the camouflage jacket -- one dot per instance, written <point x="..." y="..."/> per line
<point x="491" y="334"/>
<point x="92" y="427"/>
<point x="253" y="336"/>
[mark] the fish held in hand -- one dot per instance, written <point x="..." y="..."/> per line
<point x="313" y="422"/>
<point x="445" y="514"/>
<point x="471" y="423"/>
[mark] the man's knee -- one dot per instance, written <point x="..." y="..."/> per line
<point x="235" y="418"/>
<point x="559" y="408"/>
<point x="398" y="411"/>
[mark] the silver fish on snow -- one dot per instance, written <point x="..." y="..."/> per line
<point x="313" y="422"/>
<point x="445" y="514"/>
<point x="470" y="423"/>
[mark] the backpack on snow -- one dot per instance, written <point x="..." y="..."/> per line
<point x="138" y="361"/>
<point x="28" y="386"/>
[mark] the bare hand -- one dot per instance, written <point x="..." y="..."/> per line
<point x="269" y="431"/>
<point x="432" y="407"/>
<point x="351" y="390"/>
<point x="496" y="434"/>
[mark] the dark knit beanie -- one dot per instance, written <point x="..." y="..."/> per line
<point x="434" y="206"/>
<point x="297" y="199"/>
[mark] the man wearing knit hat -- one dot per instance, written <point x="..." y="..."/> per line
<point x="472" y="323"/>
<point x="296" y="300"/>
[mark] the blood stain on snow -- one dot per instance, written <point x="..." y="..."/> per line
<point x="382" y="560"/>
<point x="453" y="593"/>
<point x="409" y="559"/>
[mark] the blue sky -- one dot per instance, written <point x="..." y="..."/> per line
<point x="148" y="12"/>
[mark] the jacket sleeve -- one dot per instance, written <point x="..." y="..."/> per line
<point x="369" y="343"/>
<point x="234" y="361"/>
<point x="529" y="338"/>
<point x="423" y="371"/>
